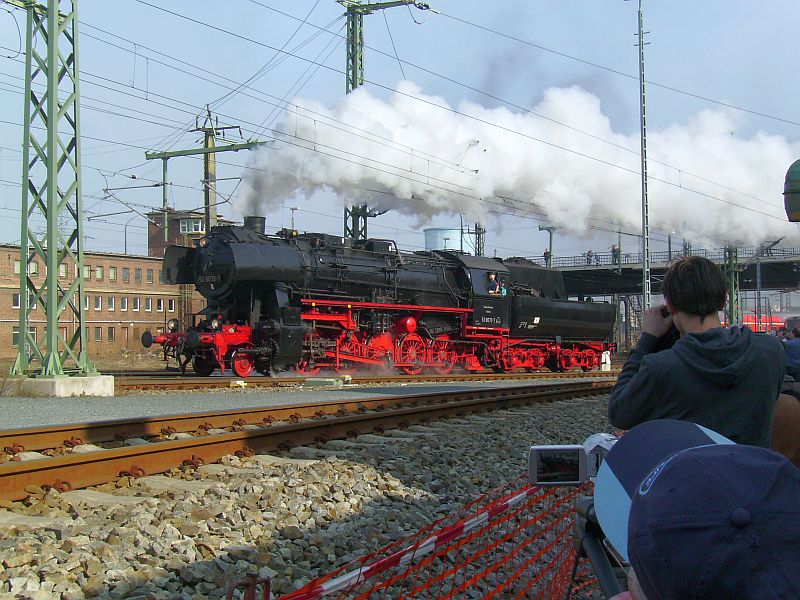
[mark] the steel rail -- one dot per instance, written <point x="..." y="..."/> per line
<point x="283" y="427"/>
<point x="130" y="382"/>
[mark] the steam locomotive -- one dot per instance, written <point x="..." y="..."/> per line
<point x="313" y="301"/>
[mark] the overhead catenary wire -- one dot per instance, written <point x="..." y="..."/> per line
<point x="608" y="163"/>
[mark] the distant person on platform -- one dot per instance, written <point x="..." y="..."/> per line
<point x="589" y="254"/>
<point x="724" y="378"/>
<point x="792" y="344"/>
<point x="546" y="255"/>
<point x="615" y="254"/>
<point x="494" y="286"/>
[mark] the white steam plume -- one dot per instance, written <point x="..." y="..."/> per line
<point x="420" y="159"/>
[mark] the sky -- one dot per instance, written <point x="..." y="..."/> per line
<point x="514" y="114"/>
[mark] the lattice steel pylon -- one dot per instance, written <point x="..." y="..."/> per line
<point x="51" y="192"/>
<point x="733" y="312"/>
<point x="355" y="217"/>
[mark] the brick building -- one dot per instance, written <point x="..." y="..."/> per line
<point x="184" y="228"/>
<point x="123" y="298"/>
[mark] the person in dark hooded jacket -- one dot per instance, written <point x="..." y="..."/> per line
<point x="724" y="378"/>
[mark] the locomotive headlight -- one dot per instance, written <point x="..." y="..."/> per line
<point x="172" y="325"/>
<point x="215" y="324"/>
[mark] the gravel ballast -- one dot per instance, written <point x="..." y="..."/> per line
<point x="291" y="520"/>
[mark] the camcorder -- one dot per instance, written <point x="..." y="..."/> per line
<point x="574" y="465"/>
<point x="568" y="465"/>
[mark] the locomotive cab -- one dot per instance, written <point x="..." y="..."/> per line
<point x="490" y="310"/>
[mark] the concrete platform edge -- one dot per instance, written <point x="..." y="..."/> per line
<point x="58" y="387"/>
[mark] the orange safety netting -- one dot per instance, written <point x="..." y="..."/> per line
<point x="514" y="542"/>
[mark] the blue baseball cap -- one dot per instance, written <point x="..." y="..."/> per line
<point x="630" y="460"/>
<point x="710" y="520"/>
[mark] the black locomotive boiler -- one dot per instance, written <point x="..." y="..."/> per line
<point x="314" y="301"/>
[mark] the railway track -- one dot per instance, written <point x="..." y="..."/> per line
<point x="81" y="455"/>
<point x="157" y="380"/>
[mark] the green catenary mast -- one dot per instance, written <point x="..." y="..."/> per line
<point x="355" y="217"/>
<point x="51" y="193"/>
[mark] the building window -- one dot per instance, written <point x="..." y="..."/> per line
<point x="123" y="303"/>
<point x="33" y="267"/>
<point x="171" y="304"/>
<point x="62" y="271"/>
<point x="112" y="273"/>
<point x="15" y="301"/>
<point x="192" y="226"/>
<point x="148" y="304"/>
<point x="126" y="275"/>
<point x="137" y="275"/>
<point x="32" y="301"/>
<point x="110" y="334"/>
<point x="87" y="272"/>
<point x="98" y="303"/>
<point x="98" y="334"/>
<point x="98" y="273"/>
<point x="86" y="303"/>
<point x="111" y="303"/>
<point x="149" y="275"/>
<point x="160" y="304"/>
<point x="135" y="304"/>
<point x="15" y="335"/>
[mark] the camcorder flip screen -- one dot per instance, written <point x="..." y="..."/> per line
<point x="557" y="465"/>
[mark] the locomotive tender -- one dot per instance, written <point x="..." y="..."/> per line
<point x="314" y="301"/>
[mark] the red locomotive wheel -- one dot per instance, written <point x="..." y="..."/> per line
<point x="242" y="363"/>
<point x="412" y="350"/>
<point x="347" y="346"/>
<point x="443" y="355"/>
<point x="304" y="367"/>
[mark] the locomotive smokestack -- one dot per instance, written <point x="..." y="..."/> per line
<point x="257" y="224"/>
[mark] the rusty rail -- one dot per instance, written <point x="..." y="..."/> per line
<point x="149" y="381"/>
<point x="275" y="428"/>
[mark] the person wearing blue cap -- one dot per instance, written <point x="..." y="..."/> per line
<point x="699" y="517"/>
<point x="725" y="378"/>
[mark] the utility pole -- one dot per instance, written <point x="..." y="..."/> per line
<point x="355" y="217"/>
<point x="209" y="150"/>
<point x="210" y="129"/>
<point x="51" y="194"/>
<point x="645" y="207"/>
